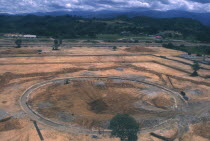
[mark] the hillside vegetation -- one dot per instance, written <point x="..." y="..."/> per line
<point x="77" y="27"/>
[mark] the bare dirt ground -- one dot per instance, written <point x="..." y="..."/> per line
<point x="22" y="68"/>
<point x="19" y="51"/>
<point x="93" y="103"/>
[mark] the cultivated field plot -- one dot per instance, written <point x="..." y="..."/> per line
<point x="72" y="93"/>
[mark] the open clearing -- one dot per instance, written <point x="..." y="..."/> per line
<point x="90" y="104"/>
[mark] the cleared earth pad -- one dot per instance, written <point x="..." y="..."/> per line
<point x="92" y="103"/>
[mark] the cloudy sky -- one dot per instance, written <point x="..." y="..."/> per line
<point x="29" y="6"/>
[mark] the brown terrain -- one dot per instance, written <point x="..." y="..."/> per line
<point x="90" y="103"/>
<point x="93" y="104"/>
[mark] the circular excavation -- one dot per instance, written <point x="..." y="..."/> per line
<point x="87" y="103"/>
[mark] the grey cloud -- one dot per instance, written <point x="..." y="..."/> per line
<point x="201" y="1"/>
<point x="19" y="6"/>
<point x="56" y="6"/>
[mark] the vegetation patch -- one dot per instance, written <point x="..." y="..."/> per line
<point x="199" y="50"/>
<point x="102" y="28"/>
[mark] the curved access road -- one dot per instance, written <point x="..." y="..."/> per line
<point x="76" y="128"/>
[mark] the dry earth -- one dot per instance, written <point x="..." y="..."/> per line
<point x="92" y="103"/>
<point x="21" y="68"/>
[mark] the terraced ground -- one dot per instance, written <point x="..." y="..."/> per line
<point x="24" y="67"/>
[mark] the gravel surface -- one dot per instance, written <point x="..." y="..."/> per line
<point x="117" y="81"/>
<point x="44" y="105"/>
<point x="19" y="114"/>
<point x="152" y="92"/>
<point x="135" y="77"/>
<point x="195" y="92"/>
<point x="87" y="73"/>
<point x="99" y="83"/>
<point x="65" y="117"/>
<point x="119" y="69"/>
<point x="3" y="114"/>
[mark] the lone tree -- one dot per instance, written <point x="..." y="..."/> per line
<point x="125" y="127"/>
<point x="66" y="81"/>
<point x="56" y="45"/>
<point x="18" y="42"/>
<point x="114" y="48"/>
<point x="195" y="67"/>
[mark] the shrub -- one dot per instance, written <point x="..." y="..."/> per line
<point x="114" y="48"/>
<point x="18" y="42"/>
<point x="195" y="67"/>
<point x="124" y="127"/>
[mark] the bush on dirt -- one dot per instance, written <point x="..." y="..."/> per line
<point x="182" y="93"/>
<point x="195" y="67"/>
<point x="66" y="81"/>
<point x="18" y="42"/>
<point x="186" y="98"/>
<point x="56" y="45"/>
<point x="114" y="48"/>
<point x="39" y="51"/>
<point x="125" y="127"/>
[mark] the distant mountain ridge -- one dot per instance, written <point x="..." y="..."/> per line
<point x="202" y="17"/>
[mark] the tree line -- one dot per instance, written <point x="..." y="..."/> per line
<point x="77" y="27"/>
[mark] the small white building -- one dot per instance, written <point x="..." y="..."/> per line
<point x="29" y="36"/>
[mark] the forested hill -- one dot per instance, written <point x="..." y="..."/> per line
<point x="77" y="27"/>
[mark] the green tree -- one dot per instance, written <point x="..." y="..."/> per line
<point x="66" y="81"/>
<point x="195" y="67"/>
<point x="18" y="42"/>
<point x="56" y="45"/>
<point x="114" y="48"/>
<point x="125" y="127"/>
